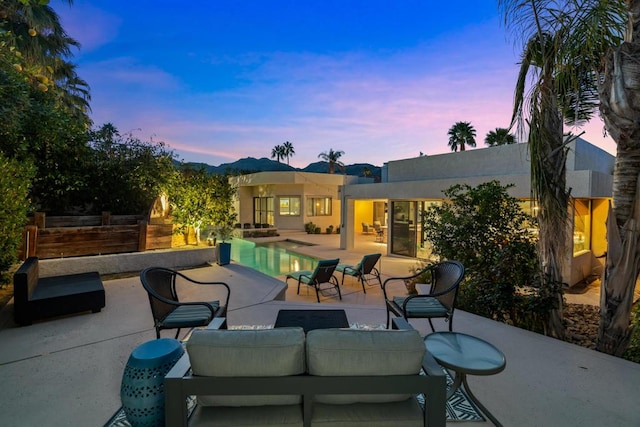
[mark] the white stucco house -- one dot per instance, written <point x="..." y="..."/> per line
<point x="288" y="200"/>
<point x="411" y="184"/>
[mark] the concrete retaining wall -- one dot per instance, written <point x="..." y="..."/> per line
<point x="128" y="262"/>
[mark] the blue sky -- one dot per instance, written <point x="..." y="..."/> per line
<point x="219" y="80"/>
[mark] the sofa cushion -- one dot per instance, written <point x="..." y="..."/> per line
<point x="247" y="353"/>
<point x="340" y="352"/>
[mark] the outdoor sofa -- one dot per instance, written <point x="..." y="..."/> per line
<point x="336" y="377"/>
<point x="38" y="297"/>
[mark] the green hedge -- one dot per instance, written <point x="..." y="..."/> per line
<point x="15" y="181"/>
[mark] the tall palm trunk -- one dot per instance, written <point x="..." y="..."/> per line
<point x="549" y="154"/>
<point x="332" y="166"/>
<point x="620" y="108"/>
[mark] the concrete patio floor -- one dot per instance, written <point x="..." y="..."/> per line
<point x="67" y="371"/>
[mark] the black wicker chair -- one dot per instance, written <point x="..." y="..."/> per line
<point x="444" y="278"/>
<point x="171" y="313"/>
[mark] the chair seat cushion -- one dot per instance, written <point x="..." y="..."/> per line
<point x="189" y="315"/>
<point x="348" y="269"/>
<point x="302" y="275"/>
<point x="423" y="307"/>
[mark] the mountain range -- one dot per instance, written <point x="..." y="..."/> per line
<point x="251" y="164"/>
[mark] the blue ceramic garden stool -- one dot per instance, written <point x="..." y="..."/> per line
<point x="142" y="390"/>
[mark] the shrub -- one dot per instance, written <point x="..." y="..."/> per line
<point x="15" y="180"/>
<point x="485" y="229"/>
<point x="633" y="351"/>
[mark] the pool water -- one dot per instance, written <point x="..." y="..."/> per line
<point x="271" y="258"/>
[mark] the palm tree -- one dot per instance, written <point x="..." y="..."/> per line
<point x="332" y="157"/>
<point x="560" y="57"/>
<point x="548" y="157"/>
<point x="287" y="150"/>
<point x="277" y="153"/>
<point x="34" y="30"/>
<point x="461" y="134"/>
<point x="75" y="91"/>
<point x="499" y="136"/>
<point x="618" y="104"/>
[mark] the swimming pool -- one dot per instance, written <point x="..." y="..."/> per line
<point x="271" y="258"/>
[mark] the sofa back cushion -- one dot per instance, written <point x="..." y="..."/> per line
<point x="247" y="353"/>
<point x="340" y="352"/>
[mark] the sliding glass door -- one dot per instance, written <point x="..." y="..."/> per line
<point x="403" y="225"/>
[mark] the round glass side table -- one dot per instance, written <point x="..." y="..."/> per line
<point x="465" y="355"/>
<point x="142" y="390"/>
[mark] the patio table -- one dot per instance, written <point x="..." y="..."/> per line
<point x="312" y="319"/>
<point x="465" y="354"/>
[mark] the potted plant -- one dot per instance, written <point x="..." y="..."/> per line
<point x="223" y="233"/>
<point x="310" y="227"/>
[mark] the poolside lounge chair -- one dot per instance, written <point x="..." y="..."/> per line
<point x="364" y="271"/>
<point x="444" y="278"/>
<point x="168" y="311"/>
<point x="322" y="275"/>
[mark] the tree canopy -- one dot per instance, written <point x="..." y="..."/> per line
<point x="333" y="158"/>
<point x="499" y="136"/>
<point x="200" y="200"/>
<point x="461" y="135"/>
<point x="288" y="150"/>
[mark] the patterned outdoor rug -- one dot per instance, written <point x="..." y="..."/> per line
<point x="459" y="407"/>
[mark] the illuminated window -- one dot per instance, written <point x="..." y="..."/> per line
<point x="290" y="206"/>
<point x="318" y="206"/>
<point x="581" y="229"/>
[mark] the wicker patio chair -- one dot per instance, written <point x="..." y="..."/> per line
<point x="167" y="309"/>
<point x="444" y="278"/>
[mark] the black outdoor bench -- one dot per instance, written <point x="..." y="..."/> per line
<point x="37" y="298"/>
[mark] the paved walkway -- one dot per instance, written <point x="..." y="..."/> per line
<point x="67" y="371"/>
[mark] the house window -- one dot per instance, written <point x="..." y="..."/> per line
<point x="319" y="206"/>
<point x="581" y="229"/>
<point x="290" y="206"/>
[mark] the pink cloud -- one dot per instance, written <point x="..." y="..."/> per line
<point x="375" y="106"/>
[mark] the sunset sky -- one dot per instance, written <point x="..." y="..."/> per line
<point x="219" y="80"/>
